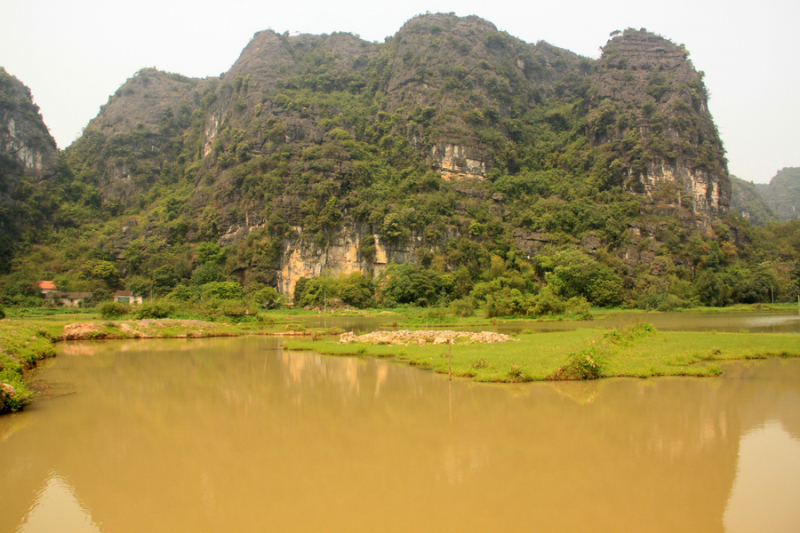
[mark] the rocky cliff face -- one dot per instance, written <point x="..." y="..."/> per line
<point x="343" y="255"/>
<point x="24" y="138"/>
<point x="440" y="63"/>
<point x="27" y="159"/>
<point x="649" y="95"/>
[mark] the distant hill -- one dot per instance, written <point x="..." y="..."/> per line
<point x="783" y="193"/>
<point x="748" y="202"/>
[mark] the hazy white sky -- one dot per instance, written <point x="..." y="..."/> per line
<point x="74" y="54"/>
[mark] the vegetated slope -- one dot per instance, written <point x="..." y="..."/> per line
<point x="465" y="153"/>
<point x="783" y="193"/>
<point x="27" y="161"/>
<point x="748" y="202"/>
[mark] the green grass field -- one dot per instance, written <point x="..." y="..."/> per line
<point x="638" y="351"/>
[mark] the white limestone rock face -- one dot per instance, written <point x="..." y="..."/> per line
<point x="458" y="162"/>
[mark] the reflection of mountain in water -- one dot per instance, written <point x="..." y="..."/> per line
<point x="764" y="496"/>
<point x="235" y="434"/>
<point x="57" y="510"/>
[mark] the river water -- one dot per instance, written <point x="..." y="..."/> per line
<point x="235" y="434"/>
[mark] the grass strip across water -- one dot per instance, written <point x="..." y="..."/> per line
<point x="638" y="350"/>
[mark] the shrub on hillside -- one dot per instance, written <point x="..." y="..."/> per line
<point x="224" y="290"/>
<point x="262" y="297"/>
<point x="114" y="309"/>
<point x="182" y="293"/>
<point x="155" y="309"/>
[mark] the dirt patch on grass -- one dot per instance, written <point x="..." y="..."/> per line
<point x="82" y="331"/>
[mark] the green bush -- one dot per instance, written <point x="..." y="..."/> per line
<point x="263" y="297"/>
<point x="15" y="397"/>
<point x="462" y="307"/>
<point x="155" y="309"/>
<point x="114" y="309"/>
<point x="583" y="364"/>
<point x="224" y="290"/>
<point x="352" y="289"/>
<point x="356" y="290"/>
<point x="409" y="284"/>
<point x="661" y="302"/>
<point x="207" y="273"/>
<point x="505" y="302"/>
<point x="579" y="306"/>
<point x="631" y="333"/>
<point x="545" y="303"/>
<point x="2" y="313"/>
<point x="232" y="308"/>
<point x="209" y="252"/>
<point x="182" y="293"/>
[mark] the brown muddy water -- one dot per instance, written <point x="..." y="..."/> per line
<point x="234" y="434"/>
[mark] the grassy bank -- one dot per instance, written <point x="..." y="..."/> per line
<point x="637" y="351"/>
<point x="27" y="336"/>
<point x="21" y="346"/>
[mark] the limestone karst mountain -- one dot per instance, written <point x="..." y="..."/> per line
<point x="479" y="162"/>
<point x="335" y="146"/>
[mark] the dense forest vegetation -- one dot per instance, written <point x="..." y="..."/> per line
<point x="551" y="196"/>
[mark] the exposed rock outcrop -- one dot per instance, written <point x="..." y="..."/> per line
<point x="24" y="138"/>
<point x="28" y="158"/>
<point x="457" y="162"/>
<point x="649" y="93"/>
<point x="341" y="256"/>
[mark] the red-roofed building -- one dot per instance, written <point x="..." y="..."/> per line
<point x="46" y="287"/>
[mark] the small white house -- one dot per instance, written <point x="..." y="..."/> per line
<point x="127" y="297"/>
